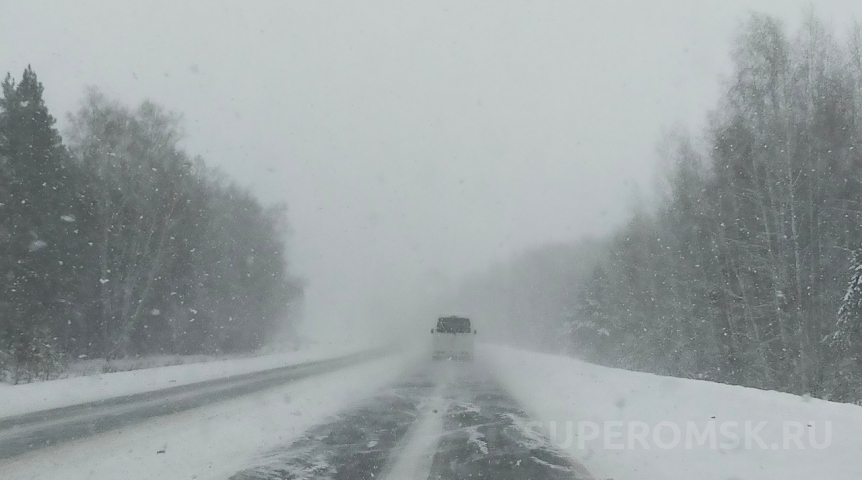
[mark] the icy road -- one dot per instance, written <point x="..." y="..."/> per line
<point x="29" y="432"/>
<point x="441" y="421"/>
<point x="379" y="418"/>
<point x="396" y="417"/>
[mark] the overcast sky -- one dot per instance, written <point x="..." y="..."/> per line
<point x="412" y="141"/>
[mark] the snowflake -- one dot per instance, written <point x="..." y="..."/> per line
<point x="37" y="245"/>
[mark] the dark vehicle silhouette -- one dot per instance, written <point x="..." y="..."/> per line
<point x="454" y="339"/>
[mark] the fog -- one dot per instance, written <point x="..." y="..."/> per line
<point x="413" y="143"/>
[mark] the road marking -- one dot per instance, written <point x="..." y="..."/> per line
<point x="413" y="457"/>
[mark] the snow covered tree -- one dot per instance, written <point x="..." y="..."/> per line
<point x="42" y="248"/>
<point x="848" y="331"/>
<point x="123" y="244"/>
<point x="186" y="263"/>
<point x="589" y="325"/>
<point x="846" y="340"/>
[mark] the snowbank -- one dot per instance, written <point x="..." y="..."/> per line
<point x="566" y="395"/>
<point x="212" y="442"/>
<point x="34" y="397"/>
<point x="96" y="366"/>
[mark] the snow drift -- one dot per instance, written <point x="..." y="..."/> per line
<point x="629" y="425"/>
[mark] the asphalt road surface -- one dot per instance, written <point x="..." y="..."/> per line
<point x="444" y="420"/>
<point x="25" y="433"/>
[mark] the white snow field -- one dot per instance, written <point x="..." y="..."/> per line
<point x="567" y="391"/>
<point x="33" y="397"/>
<point x="211" y="442"/>
<point x="626" y="421"/>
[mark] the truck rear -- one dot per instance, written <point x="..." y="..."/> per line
<point x="454" y="338"/>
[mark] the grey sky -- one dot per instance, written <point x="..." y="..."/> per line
<point x="412" y="141"/>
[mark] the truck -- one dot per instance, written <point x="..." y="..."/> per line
<point x="453" y="338"/>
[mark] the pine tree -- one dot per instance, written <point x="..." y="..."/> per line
<point x="41" y="242"/>
<point x="848" y="333"/>
<point x="590" y="325"/>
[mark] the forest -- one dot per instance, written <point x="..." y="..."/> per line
<point x="747" y="266"/>
<point x="115" y="242"/>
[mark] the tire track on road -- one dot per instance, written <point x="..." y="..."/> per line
<point x="25" y="433"/>
<point x="355" y="444"/>
<point x="445" y="420"/>
<point x="485" y="437"/>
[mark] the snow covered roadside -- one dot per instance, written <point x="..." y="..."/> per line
<point x="96" y="366"/>
<point x="566" y="395"/>
<point x="212" y="442"/>
<point x="34" y="397"/>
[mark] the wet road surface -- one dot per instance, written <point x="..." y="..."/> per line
<point x="443" y="420"/>
<point x="25" y="433"/>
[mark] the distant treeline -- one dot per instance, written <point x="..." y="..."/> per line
<point x="749" y="268"/>
<point x="117" y="243"/>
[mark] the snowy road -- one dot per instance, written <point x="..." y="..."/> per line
<point x="24" y="433"/>
<point x="353" y="417"/>
<point x="442" y="420"/>
<point x="402" y="417"/>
